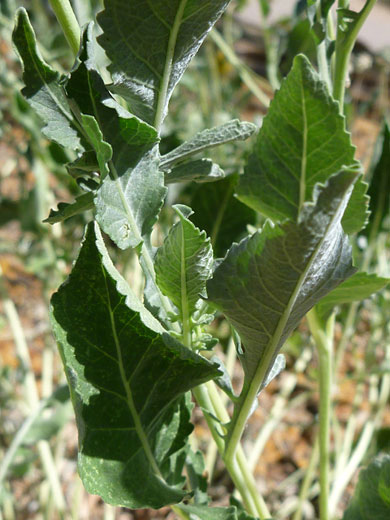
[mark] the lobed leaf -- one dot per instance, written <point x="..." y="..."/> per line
<point x="357" y="213"/>
<point x="82" y="203"/>
<point x="44" y="90"/>
<point x="302" y="142"/>
<point x="270" y="280"/>
<point x="233" y="130"/>
<point x="127" y="379"/>
<point x="183" y="264"/>
<point x="150" y="45"/>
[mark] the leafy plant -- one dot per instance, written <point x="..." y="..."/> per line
<point x="130" y="362"/>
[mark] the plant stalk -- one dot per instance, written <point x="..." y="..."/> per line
<point x="323" y="338"/>
<point x="345" y="41"/>
<point x="68" y="21"/>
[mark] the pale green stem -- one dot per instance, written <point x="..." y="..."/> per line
<point x="345" y="41"/>
<point x="307" y="481"/>
<point x="324" y="342"/>
<point x="322" y="59"/>
<point x="68" y="21"/>
<point x="245" y="74"/>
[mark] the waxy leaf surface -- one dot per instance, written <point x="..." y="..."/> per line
<point x="302" y="142"/>
<point x="43" y="89"/>
<point x="127" y="380"/>
<point x="184" y="263"/>
<point x="270" y="280"/>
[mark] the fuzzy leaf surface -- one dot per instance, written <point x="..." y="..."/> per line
<point x="200" y="170"/>
<point x="357" y="213"/>
<point x="371" y="499"/>
<point x="233" y="130"/>
<point x="130" y="198"/>
<point x="81" y="204"/>
<point x="184" y="263"/>
<point x="270" y="280"/>
<point x="302" y="142"/>
<point x="127" y="380"/>
<point x="43" y="89"/>
<point x="150" y="45"/>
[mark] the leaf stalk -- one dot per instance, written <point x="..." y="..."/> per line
<point x="68" y="21"/>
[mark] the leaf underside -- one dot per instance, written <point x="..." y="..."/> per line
<point x="127" y="383"/>
<point x="270" y="280"/>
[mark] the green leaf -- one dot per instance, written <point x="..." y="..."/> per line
<point x="357" y="213"/>
<point x="150" y="45"/>
<point x="371" y="500"/>
<point x="127" y="378"/>
<point x="183" y="263"/>
<point x="103" y="150"/>
<point x="270" y="280"/>
<point x="302" y="142"/>
<point x="196" y="471"/>
<point x="199" y="512"/>
<point x="130" y="198"/>
<point x="201" y="170"/>
<point x="82" y="203"/>
<point x="220" y="213"/>
<point x="231" y="131"/>
<point x="356" y="288"/>
<point x="379" y="189"/>
<point x="43" y="89"/>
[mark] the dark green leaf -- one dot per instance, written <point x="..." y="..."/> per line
<point x="379" y="189"/>
<point x="150" y="45"/>
<point x="43" y="89"/>
<point x="201" y="170"/>
<point x="126" y="378"/>
<point x="102" y="149"/>
<point x="220" y="214"/>
<point x="371" y="500"/>
<point x="82" y="203"/>
<point x="197" y="476"/>
<point x="183" y="263"/>
<point x="357" y="213"/>
<point x="231" y="131"/>
<point x="270" y="280"/>
<point x="302" y="142"/>
<point x="130" y="198"/>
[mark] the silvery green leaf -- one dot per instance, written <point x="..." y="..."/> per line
<point x="200" y="170"/>
<point x="270" y="280"/>
<point x="81" y="204"/>
<point x="43" y="90"/>
<point x="233" y="130"/>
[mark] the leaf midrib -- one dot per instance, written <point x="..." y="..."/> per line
<point x="164" y="84"/>
<point x="129" y="395"/>
<point x="302" y="181"/>
<point x="249" y="395"/>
